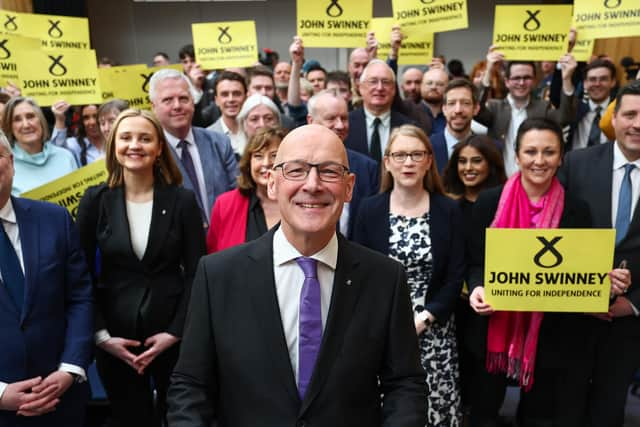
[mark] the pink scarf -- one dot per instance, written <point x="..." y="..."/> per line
<point x="512" y="338"/>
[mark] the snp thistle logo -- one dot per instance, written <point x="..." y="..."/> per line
<point x="548" y="246"/>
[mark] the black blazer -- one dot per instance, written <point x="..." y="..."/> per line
<point x="559" y="331"/>
<point x="357" y="138"/>
<point x="447" y="246"/>
<point x="587" y="174"/>
<point x="138" y="298"/>
<point x="234" y="362"/>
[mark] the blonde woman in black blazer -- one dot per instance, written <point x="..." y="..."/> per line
<point x="148" y="236"/>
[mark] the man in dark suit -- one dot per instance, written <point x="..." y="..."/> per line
<point x="205" y="158"/>
<point x="432" y="88"/>
<point x="300" y="327"/>
<point x="459" y="106"/>
<point x="502" y="117"/>
<point x="599" y="80"/>
<point x="329" y="109"/>
<point x="607" y="177"/>
<point x="46" y="314"/>
<point x="371" y="125"/>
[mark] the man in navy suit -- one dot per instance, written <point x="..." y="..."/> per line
<point x="330" y="110"/>
<point x="599" y="80"/>
<point x="371" y="125"/>
<point x="46" y="314"/>
<point x="459" y="106"/>
<point x="205" y="158"/>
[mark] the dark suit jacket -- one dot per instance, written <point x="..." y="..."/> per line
<point x="496" y="116"/>
<point x="559" y="331"/>
<point x="447" y="246"/>
<point x="56" y="323"/>
<point x="440" y="151"/>
<point x="357" y="139"/>
<point x="139" y="298"/>
<point x="367" y="173"/>
<point x="218" y="165"/>
<point x="581" y="111"/>
<point x="234" y="363"/>
<point x="587" y="174"/>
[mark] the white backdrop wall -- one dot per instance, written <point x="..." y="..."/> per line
<point x="131" y="32"/>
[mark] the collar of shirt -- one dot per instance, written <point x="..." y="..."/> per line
<point x="227" y="131"/>
<point x="603" y="105"/>
<point x="512" y="103"/>
<point x="173" y="141"/>
<point x="385" y="118"/>
<point x="284" y="252"/>
<point x="7" y="213"/>
<point x="619" y="160"/>
<point x="452" y="140"/>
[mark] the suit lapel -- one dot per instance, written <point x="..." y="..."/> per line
<point x="118" y="220"/>
<point x="346" y="290"/>
<point x="261" y="288"/>
<point x="600" y="185"/>
<point x="164" y="201"/>
<point x="29" y="230"/>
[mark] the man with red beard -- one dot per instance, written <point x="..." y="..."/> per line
<point x="231" y="91"/>
<point x="434" y="82"/>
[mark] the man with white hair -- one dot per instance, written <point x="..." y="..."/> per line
<point x="205" y="158"/>
<point x="370" y="126"/>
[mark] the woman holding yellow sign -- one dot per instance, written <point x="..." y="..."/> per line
<point x="36" y="159"/>
<point x="533" y="348"/>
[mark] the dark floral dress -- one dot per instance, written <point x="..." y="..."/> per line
<point x="410" y="244"/>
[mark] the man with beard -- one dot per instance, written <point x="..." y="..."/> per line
<point x="281" y="74"/>
<point x="411" y="81"/>
<point x="231" y="91"/>
<point x="459" y="106"/>
<point x="434" y="82"/>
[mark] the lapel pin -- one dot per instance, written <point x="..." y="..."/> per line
<point x="348" y="282"/>
<point x="164" y="211"/>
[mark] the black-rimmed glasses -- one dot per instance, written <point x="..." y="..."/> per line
<point x="298" y="170"/>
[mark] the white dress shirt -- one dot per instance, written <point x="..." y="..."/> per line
<point x="10" y="224"/>
<point x="581" y="136"/>
<point x="518" y="115"/>
<point x="289" y="278"/>
<point x="197" y="163"/>
<point x="238" y="139"/>
<point x="619" y="160"/>
<point x="384" y="128"/>
<point x="452" y="141"/>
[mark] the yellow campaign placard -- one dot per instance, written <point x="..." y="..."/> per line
<point x="125" y="82"/>
<point x="583" y="49"/>
<point x="548" y="269"/>
<point x="417" y="45"/>
<point x="9" y="45"/>
<point x="225" y="44"/>
<point x="435" y="15"/>
<point x="67" y="191"/>
<point x="333" y="23"/>
<point x="53" y="75"/>
<point x="599" y="19"/>
<point x="532" y="32"/>
<point x="55" y="32"/>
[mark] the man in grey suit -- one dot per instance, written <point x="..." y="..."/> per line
<point x="231" y="91"/>
<point x="300" y="327"/>
<point x="503" y="117"/>
<point x="205" y="158"/>
<point x="607" y="177"/>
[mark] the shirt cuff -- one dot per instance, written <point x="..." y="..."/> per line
<point x="73" y="369"/>
<point x="3" y="386"/>
<point x="101" y="336"/>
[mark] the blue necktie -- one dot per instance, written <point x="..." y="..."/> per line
<point x="12" y="274"/>
<point x="310" y="323"/>
<point x="623" y="216"/>
<point x="190" y="169"/>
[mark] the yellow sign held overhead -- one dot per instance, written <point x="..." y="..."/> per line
<point x="532" y="32"/>
<point x="67" y="191"/>
<point x="9" y="45"/>
<point x="53" y="75"/>
<point x="417" y="45"/>
<point x="55" y="32"/>
<point x="333" y="23"/>
<point x="433" y="15"/>
<point x="548" y="269"/>
<point x="225" y="44"/>
<point x="596" y="19"/>
<point x="583" y="49"/>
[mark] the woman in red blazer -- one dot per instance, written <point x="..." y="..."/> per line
<point x="245" y="213"/>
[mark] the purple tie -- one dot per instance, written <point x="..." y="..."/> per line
<point x="310" y="327"/>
